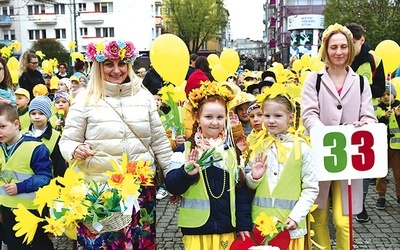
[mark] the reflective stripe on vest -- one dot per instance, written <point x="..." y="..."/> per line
<point x="274" y="202"/>
<point x="18" y="168"/>
<point x="195" y="204"/>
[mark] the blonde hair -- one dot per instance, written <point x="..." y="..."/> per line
<point x="325" y="47"/>
<point x="96" y="87"/>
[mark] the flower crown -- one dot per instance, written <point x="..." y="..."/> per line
<point x="209" y="89"/>
<point x="101" y="51"/>
<point x="288" y="92"/>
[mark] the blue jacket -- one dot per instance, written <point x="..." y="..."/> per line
<point x="40" y="164"/>
<point x="178" y="181"/>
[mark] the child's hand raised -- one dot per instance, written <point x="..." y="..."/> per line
<point x="259" y="166"/>
<point x="242" y="143"/>
<point x="234" y="118"/>
<point x="193" y="156"/>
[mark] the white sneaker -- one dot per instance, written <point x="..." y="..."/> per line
<point x="161" y="193"/>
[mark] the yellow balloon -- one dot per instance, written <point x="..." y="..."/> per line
<point x="230" y="60"/>
<point x="396" y="83"/>
<point x="219" y="73"/>
<point x="213" y="59"/>
<point x="54" y="82"/>
<point x="296" y="66"/>
<point x="14" y="76"/>
<point x="389" y="52"/>
<point x="169" y="56"/>
<point x="13" y="63"/>
<point x="305" y="60"/>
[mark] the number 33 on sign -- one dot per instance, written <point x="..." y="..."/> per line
<point x="349" y="152"/>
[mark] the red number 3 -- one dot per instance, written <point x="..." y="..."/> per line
<point x="366" y="159"/>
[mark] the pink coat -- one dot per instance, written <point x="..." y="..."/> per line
<point x="328" y="108"/>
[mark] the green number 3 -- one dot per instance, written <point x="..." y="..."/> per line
<point x="337" y="161"/>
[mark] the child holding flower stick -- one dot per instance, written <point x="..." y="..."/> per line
<point x="25" y="167"/>
<point x="283" y="174"/>
<point x="206" y="173"/>
<point x="62" y="102"/>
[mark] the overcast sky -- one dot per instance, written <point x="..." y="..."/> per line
<point x="246" y="18"/>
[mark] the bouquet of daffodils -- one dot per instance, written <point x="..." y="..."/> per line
<point x="71" y="199"/>
<point x="174" y="97"/>
<point x="270" y="231"/>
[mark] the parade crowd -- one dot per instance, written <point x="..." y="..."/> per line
<point x="235" y="154"/>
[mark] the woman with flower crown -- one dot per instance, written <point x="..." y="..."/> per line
<point x="113" y="116"/>
<point x="343" y="98"/>
<point x="206" y="173"/>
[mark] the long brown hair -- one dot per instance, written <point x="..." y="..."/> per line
<point x="7" y="81"/>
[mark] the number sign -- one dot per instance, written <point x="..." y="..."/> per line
<point x="349" y="152"/>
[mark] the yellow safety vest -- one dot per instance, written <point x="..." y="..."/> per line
<point x="365" y="70"/>
<point x="195" y="203"/>
<point x="50" y="143"/>
<point x="394" y="141"/>
<point x="24" y="120"/>
<point x="283" y="198"/>
<point x="18" y="168"/>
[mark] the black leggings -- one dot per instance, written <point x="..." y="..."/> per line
<point x="40" y="240"/>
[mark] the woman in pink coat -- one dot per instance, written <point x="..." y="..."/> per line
<point x="343" y="98"/>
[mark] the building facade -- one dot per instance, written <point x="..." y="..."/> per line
<point x="83" y="21"/>
<point x="293" y="28"/>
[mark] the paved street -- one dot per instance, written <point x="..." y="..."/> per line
<point x="381" y="232"/>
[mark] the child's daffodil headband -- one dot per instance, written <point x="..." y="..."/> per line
<point x="210" y="89"/>
<point x="123" y="50"/>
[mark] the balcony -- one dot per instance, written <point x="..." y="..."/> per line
<point x="5" y="20"/>
<point x="44" y="19"/>
<point x="272" y="22"/>
<point x="271" y="3"/>
<point x="159" y="21"/>
<point x="91" y="17"/>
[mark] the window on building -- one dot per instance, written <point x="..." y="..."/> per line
<point x="83" y="31"/>
<point x="59" y="9"/>
<point x="36" y="9"/>
<point x="103" y="7"/>
<point x="204" y="45"/>
<point x="61" y="33"/>
<point x="7" y="11"/>
<point x="36" y="34"/>
<point x="104" y="32"/>
<point x="82" y="7"/>
<point x="9" y="34"/>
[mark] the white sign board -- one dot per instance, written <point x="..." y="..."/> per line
<point x="306" y="22"/>
<point x="349" y="152"/>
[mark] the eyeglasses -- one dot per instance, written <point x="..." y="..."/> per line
<point x="34" y="63"/>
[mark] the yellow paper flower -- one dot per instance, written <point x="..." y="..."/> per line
<point x="27" y="223"/>
<point x="266" y="224"/>
<point x="71" y="45"/>
<point x="210" y="89"/>
<point x="45" y="195"/>
<point x="40" y="54"/>
<point x="55" y="226"/>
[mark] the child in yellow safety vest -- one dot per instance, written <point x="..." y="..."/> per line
<point x="388" y="112"/>
<point x="206" y="172"/>
<point x="25" y="167"/>
<point x="282" y="172"/>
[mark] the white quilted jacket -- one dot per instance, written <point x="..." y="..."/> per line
<point x="102" y="129"/>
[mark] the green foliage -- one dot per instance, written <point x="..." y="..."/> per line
<point x="196" y="21"/>
<point x="380" y="18"/>
<point x="52" y="49"/>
